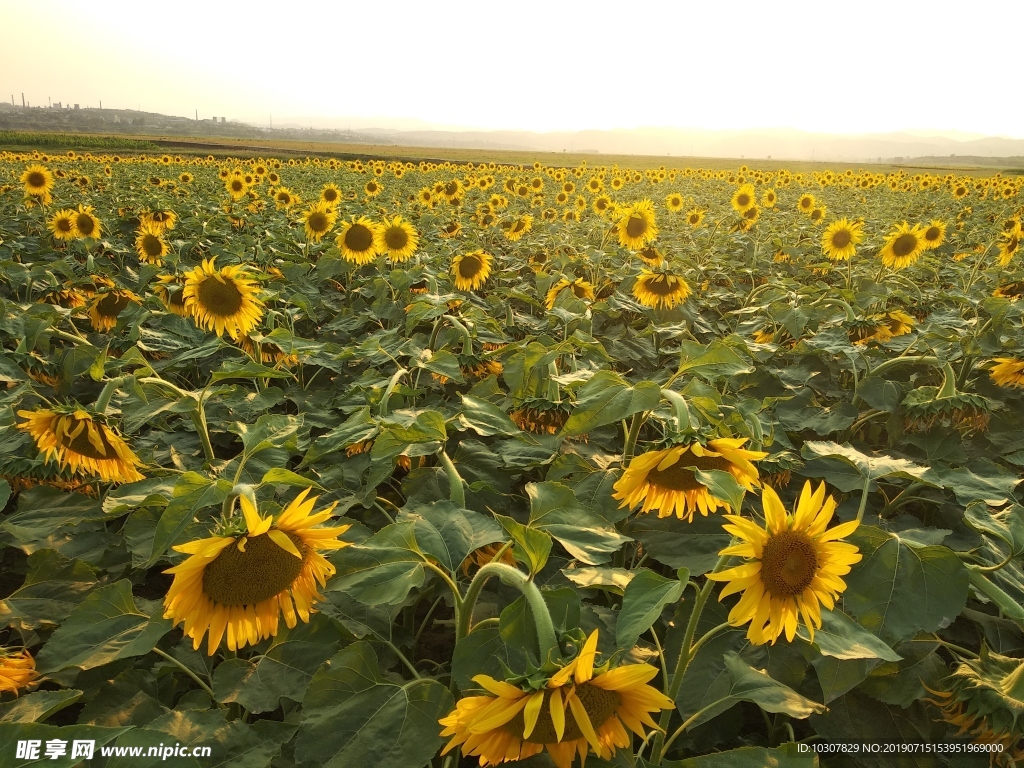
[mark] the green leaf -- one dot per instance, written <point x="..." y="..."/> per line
<point x="843" y="638"/>
<point x="250" y="370"/>
<point x="53" y="586"/>
<point x="721" y="484"/>
<point x="785" y="756"/>
<point x="555" y="510"/>
<point x="481" y="652"/>
<point x="614" y="579"/>
<point x="486" y="419"/>
<point x="749" y="684"/>
<point x="898" y="590"/>
<point x="532" y="546"/>
<point x="362" y="620"/>
<point x="43" y="510"/>
<point x="691" y="545"/>
<point x="284" y="670"/>
<point x="279" y="476"/>
<point x="981" y="480"/>
<point x="608" y="398"/>
<point x="12" y="733"/>
<point x="353" y="717"/>
<point x="869" y="467"/>
<point x="33" y="707"/>
<point x="802" y="413"/>
<point x="153" y="491"/>
<point x="442" y="362"/>
<point x="645" y="598"/>
<point x="714" y="360"/>
<point x="382" y="569"/>
<point x="192" y="493"/>
<point x="107" y="626"/>
<point x="448" y="532"/>
<point x="5" y="493"/>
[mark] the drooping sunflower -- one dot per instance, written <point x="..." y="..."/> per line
<point x="636" y="225"/>
<point x="519" y="227"/>
<point x="150" y="245"/>
<point x="105" y="308"/>
<point x="471" y="270"/>
<point x="579" y="709"/>
<point x="17" y="670"/>
<point x="744" y="198"/>
<point x="1008" y="244"/>
<point x="62" y="224"/>
<point x="651" y="256"/>
<point x="358" y="240"/>
<point x="695" y="217"/>
<point x="903" y="246"/>
<point x="223" y="300"/>
<point x="171" y="290"/>
<point x="318" y="219"/>
<point x="451" y="229"/>
<point x="37" y="180"/>
<point x="794" y="565"/>
<point x="397" y="238"/>
<point x="81" y="442"/>
<point x="674" y="202"/>
<point x="934" y="234"/>
<point x="1008" y="372"/>
<point x="660" y="290"/>
<point x="580" y="288"/>
<point x="163" y="219"/>
<point x="664" y="481"/>
<point x="238" y="585"/>
<point x="86" y="224"/>
<point x="840" y="240"/>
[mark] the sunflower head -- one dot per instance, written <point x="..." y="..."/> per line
<point x="636" y="227"/>
<point x="318" y="219"/>
<point x="17" y="670"/>
<point x="37" y="180"/>
<point x="471" y="270"/>
<point x="660" y="290"/>
<point x="358" y="240"/>
<point x="903" y="246"/>
<point x="397" y="238"/>
<point x="1008" y="372"/>
<point x="62" y="224"/>
<point x="224" y="300"/>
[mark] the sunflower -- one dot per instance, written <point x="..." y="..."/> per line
<point x="903" y="246"/>
<point x="358" y="240"/>
<point x="769" y="198"/>
<point x="840" y="239"/>
<point x="236" y="187"/>
<point x="805" y="204"/>
<point x="651" y="256"/>
<point x="397" y="238"/>
<point x="222" y="300"/>
<point x="636" y="227"/>
<point x="1008" y="372"/>
<point x="105" y="308"/>
<point x="284" y="198"/>
<point x="575" y="711"/>
<point x="602" y="205"/>
<point x="934" y="235"/>
<point x="817" y="216"/>
<point x="451" y="229"/>
<point x="373" y="188"/>
<point x="86" y="224"/>
<point x="331" y="195"/>
<point x="695" y="217"/>
<point x="664" y="481"/>
<point x="519" y="227"/>
<point x="62" y="224"/>
<point x="318" y="219"/>
<point x="150" y="245"/>
<point x="660" y="290"/>
<point x="580" y="288"/>
<point x="674" y="202"/>
<point x="471" y="270"/>
<point x="17" y="670"/>
<point x="793" y="566"/>
<point x="171" y="290"/>
<point x="1012" y="291"/>
<point x="164" y="219"/>
<point x="744" y="198"/>
<point x="79" y="441"/>
<point x="38" y="181"/>
<point x="239" y="584"/>
<point x="1008" y="244"/>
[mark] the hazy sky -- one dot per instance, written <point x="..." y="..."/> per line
<point x="542" y="65"/>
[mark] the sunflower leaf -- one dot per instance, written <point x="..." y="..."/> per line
<point x="645" y="597"/>
<point x="606" y="399"/>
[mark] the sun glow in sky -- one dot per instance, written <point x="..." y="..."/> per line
<point x="539" y="65"/>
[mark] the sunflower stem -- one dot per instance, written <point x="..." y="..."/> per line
<point x="188" y="672"/>
<point x="1006" y="604"/>
<point x="467" y="339"/>
<point x="863" y="499"/>
<point x="895" y="362"/>
<point x="634" y="432"/>
<point x="456" y="488"/>
<point x="547" y="640"/>
<point x="106" y="393"/>
<point x="401" y="657"/>
<point x="390" y="389"/>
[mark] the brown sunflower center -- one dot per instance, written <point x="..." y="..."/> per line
<point x="152" y="245"/>
<point x="636" y="226"/>
<point x="330" y="195"/>
<point x="932" y="233"/>
<point x="451" y="188"/>
<point x="904" y="245"/>
<point x="36" y="179"/>
<point x="237" y="185"/>
<point x="789" y="563"/>
<point x="470" y="267"/>
<point x="662" y="285"/>
<point x="841" y="238"/>
<point x="519" y="226"/>
<point x="259" y="573"/>
<point x="317" y="221"/>
<point x="396" y="238"/>
<point x="219" y="298"/>
<point x="359" y="238"/>
<point x="694" y="218"/>
<point x="679" y="477"/>
<point x="85" y="223"/>
<point x="805" y="203"/>
<point x="599" y="704"/>
<point x="743" y="200"/>
<point x="64" y="224"/>
<point x="112" y="304"/>
<point x="82" y="444"/>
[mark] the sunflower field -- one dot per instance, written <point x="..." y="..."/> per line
<point x="360" y="463"/>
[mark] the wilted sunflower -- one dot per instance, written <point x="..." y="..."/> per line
<point x="695" y="217"/>
<point x="171" y="290"/>
<point x="62" y="224"/>
<point x="397" y="238"/>
<point x="793" y="565"/>
<point x="239" y="584"/>
<point x="660" y="290"/>
<point x="1008" y="372"/>
<point x="903" y="246"/>
<point x="581" y="290"/>
<point x="519" y="227"/>
<point x="451" y="229"/>
<point x="150" y="244"/>
<point x="934" y="235"/>
<point x="840" y="240"/>
<point x="471" y="270"/>
<point x="744" y="198"/>
<point x="105" y="308"/>
<point x="38" y="180"/>
<point x="664" y="481"/>
<point x="358" y="239"/>
<point x="79" y="441"/>
<point x="636" y="226"/>
<point x="17" y="670"/>
<point x="576" y="711"/>
<point x="223" y="300"/>
<point x="318" y="219"/>
<point x="86" y="224"/>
